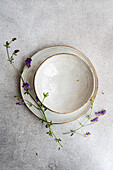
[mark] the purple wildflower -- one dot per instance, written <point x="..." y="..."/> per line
<point x="101" y="113"/>
<point x="28" y="62"/>
<point x="21" y="102"/>
<point x="94" y="120"/>
<point x="26" y="86"/>
<point x="87" y="134"/>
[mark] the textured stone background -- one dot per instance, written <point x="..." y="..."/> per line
<point x="84" y="24"/>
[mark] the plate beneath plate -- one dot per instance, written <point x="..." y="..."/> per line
<point x="28" y="75"/>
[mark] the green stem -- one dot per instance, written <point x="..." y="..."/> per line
<point x="58" y="141"/>
<point x="68" y="132"/>
<point x="32" y="104"/>
<point x="43" y="100"/>
<point x="88" y="118"/>
<point x="49" y="126"/>
<point x="28" y="91"/>
<point x="34" y="99"/>
<point x="74" y="131"/>
<point x="40" y="109"/>
<point x="7" y="52"/>
<point x="10" y="42"/>
<point x="13" y="64"/>
<point x="18" y="71"/>
<point x="89" y="124"/>
<point x="36" y="108"/>
<point x="79" y="133"/>
<point x="46" y="120"/>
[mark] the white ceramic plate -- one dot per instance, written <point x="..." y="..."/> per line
<point x="67" y="78"/>
<point x="28" y="75"/>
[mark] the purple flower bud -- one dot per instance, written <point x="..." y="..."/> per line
<point x="101" y="113"/>
<point x="28" y="62"/>
<point x="87" y="134"/>
<point x="94" y="120"/>
<point x="13" y="39"/>
<point x="21" y="102"/>
<point x="15" y="52"/>
<point x="26" y="86"/>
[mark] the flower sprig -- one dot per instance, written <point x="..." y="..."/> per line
<point x="39" y="105"/>
<point x="89" y="118"/>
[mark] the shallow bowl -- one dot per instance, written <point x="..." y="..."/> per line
<point x="68" y="80"/>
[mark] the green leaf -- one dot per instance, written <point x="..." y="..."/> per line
<point x="42" y="121"/>
<point x="7" y="45"/>
<point x="80" y="123"/>
<point x="45" y="94"/>
<point x="57" y="139"/>
<point x="72" y="134"/>
<point x="30" y="104"/>
<point x="49" y="133"/>
<point x="11" y="59"/>
<point x="46" y="125"/>
<point x="26" y="92"/>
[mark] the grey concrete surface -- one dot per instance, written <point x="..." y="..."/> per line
<point x="84" y="24"/>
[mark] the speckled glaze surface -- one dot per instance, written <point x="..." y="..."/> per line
<point x="69" y="81"/>
<point x="29" y="74"/>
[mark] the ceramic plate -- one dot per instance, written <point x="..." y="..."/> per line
<point x="28" y="75"/>
<point x="67" y="78"/>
